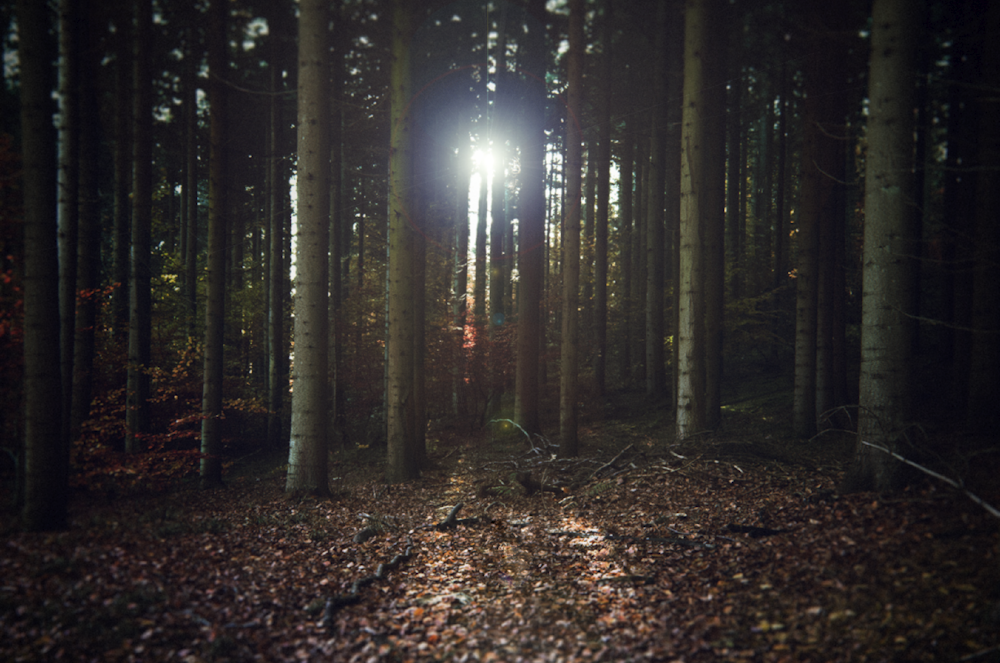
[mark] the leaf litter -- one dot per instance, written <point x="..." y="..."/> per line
<point x="663" y="555"/>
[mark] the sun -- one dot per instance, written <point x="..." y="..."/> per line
<point x="482" y="160"/>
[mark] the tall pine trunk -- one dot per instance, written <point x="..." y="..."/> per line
<point x="307" y="453"/>
<point x="701" y="196"/>
<point x="400" y="405"/>
<point x="46" y="467"/>
<point x="568" y="435"/>
<point x="140" y="326"/>
<point x="68" y="207"/>
<point x="888" y="273"/>
<point x="532" y="230"/>
<point x="218" y="212"/>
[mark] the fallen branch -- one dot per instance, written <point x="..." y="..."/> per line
<point x="611" y="462"/>
<point x="338" y="601"/>
<point x="951" y="482"/>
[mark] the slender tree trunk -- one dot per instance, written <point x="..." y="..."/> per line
<point x="88" y="241"/>
<point x="140" y="293"/>
<point x="190" y="249"/>
<point x="68" y="207"/>
<point x="479" y="283"/>
<point x="625" y="197"/>
<point x="603" y="207"/>
<point x="984" y="385"/>
<point x="888" y="275"/>
<point x="401" y="466"/>
<point x="672" y="172"/>
<point x="277" y="348"/>
<point x="733" y="190"/>
<point x="656" y="377"/>
<point x="218" y="213"/>
<point x="307" y="453"/>
<point x="46" y="470"/>
<point x="640" y="264"/>
<point x="713" y="212"/>
<point x="700" y="196"/>
<point x="460" y="274"/>
<point x="122" y="165"/>
<point x="337" y="235"/>
<point x="532" y="230"/>
<point x="568" y="434"/>
<point x="780" y="224"/>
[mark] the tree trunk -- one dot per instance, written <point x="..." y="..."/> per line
<point x="400" y="406"/>
<point x="337" y="235"/>
<point x="307" y="453"/>
<point x="277" y="349"/>
<point x="190" y="250"/>
<point x="88" y="240"/>
<point x="603" y="206"/>
<point x="46" y="470"/>
<point x="888" y="272"/>
<point x="532" y="230"/>
<point x="984" y="383"/>
<point x="68" y="207"/>
<point x="735" y="247"/>
<point x="218" y="212"/>
<point x="140" y="294"/>
<point x="780" y="225"/>
<point x="713" y="213"/>
<point x="122" y="165"/>
<point x="700" y="197"/>
<point x="460" y="275"/>
<point x="568" y="435"/>
<point x="626" y="223"/>
<point x="656" y="377"/>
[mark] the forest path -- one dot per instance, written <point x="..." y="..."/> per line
<point x="729" y="548"/>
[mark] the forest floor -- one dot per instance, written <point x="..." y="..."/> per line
<point x="735" y="546"/>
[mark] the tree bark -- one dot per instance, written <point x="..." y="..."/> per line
<point x="532" y="229"/>
<point x="568" y="435"/>
<point x="88" y="240"/>
<point x="68" y="207"/>
<point x="190" y="250"/>
<point x="656" y="377"/>
<point x="46" y="468"/>
<point x="888" y="271"/>
<point x="307" y="454"/>
<point x="218" y="212"/>
<point x="700" y="197"/>
<point x="140" y="294"/>
<point x="122" y="165"/>
<point x="984" y="383"/>
<point x="400" y="406"/>
<point x="603" y="206"/>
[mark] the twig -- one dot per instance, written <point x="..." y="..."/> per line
<point x="610" y="462"/>
<point x="951" y="482"/>
<point x="979" y="654"/>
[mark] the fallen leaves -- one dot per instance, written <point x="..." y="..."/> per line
<point x="652" y="564"/>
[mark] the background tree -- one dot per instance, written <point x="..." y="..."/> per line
<point x="400" y="402"/>
<point x="69" y="181"/>
<point x="532" y="227"/>
<point x="307" y="456"/>
<point x="140" y="270"/>
<point x="46" y="455"/>
<point x="888" y="275"/>
<point x="218" y="212"/>
<point x="569" y="444"/>
<point x="701" y="200"/>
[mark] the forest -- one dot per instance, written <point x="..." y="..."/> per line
<point x="500" y="330"/>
